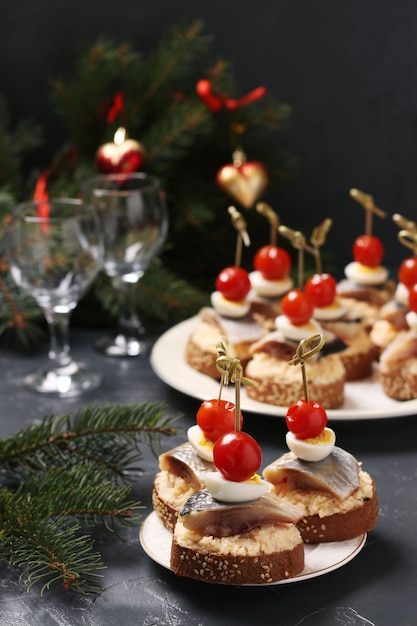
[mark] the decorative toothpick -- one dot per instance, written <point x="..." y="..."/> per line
<point x="264" y="209"/>
<point x="298" y="242"/>
<point x="306" y="349"/>
<point x="318" y="238"/>
<point x="408" y="239"/>
<point x="239" y="224"/>
<point x="231" y="371"/>
<point x="404" y="223"/>
<point x="370" y="207"/>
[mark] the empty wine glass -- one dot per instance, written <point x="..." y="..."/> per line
<point x="55" y="251"/>
<point x="134" y="220"/>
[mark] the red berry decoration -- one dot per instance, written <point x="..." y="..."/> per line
<point x="297" y="306"/>
<point x="368" y="250"/>
<point x="407" y="273"/>
<point x="233" y="282"/>
<point x="272" y="262"/>
<point x="321" y="288"/>
<point x="237" y="456"/>
<point x="306" y="419"/>
<point x="217" y="417"/>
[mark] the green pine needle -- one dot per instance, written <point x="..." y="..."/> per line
<point x="61" y="479"/>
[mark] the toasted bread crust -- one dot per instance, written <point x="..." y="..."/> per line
<point x="228" y="569"/>
<point x="166" y="512"/>
<point x="166" y="503"/>
<point x="284" y="393"/>
<point x="400" y="384"/>
<point x="340" y="526"/>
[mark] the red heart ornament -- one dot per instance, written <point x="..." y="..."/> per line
<point x="244" y="183"/>
<point x="120" y="157"/>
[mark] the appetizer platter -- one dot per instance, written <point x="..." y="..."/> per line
<point x="320" y="559"/>
<point x="368" y="367"/>
<point x="221" y="517"/>
<point x="364" y="399"/>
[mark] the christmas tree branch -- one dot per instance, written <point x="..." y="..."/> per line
<point x="60" y="478"/>
<point x="107" y="435"/>
<point x="176" y="50"/>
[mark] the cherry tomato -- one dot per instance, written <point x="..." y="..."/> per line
<point x="321" y="288"/>
<point x="306" y="419"/>
<point x="412" y="298"/>
<point x="274" y="263"/>
<point x="407" y="273"/>
<point x="233" y="283"/>
<point x="237" y="456"/>
<point x="216" y="418"/>
<point x="368" y="250"/>
<point x="297" y="306"/>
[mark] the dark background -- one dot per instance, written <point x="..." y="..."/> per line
<point x="348" y="70"/>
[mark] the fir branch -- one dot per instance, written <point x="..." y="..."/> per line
<point x="60" y="477"/>
<point x="83" y="491"/>
<point x="48" y="551"/>
<point x="171" y="60"/>
<point x="109" y="436"/>
<point x="175" y="132"/>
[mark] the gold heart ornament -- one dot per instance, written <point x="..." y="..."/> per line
<point x="245" y="182"/>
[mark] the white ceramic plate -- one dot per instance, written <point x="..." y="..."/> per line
<point x="364" y="399"/>
<point x="319" y="559"/>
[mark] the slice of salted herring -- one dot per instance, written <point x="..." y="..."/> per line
<point x="183" y="461"/>
<point x="338" y="473"/>
<point x="204" y="514"/>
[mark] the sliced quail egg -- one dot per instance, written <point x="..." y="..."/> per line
<point x="364" y="275"/>
<point x="202" y="445"/>
<point x="270" y="288"/>
<point x="296" y="333"/>
<point x="229" y="308"/>
<point x="230" y="491"/>
<point x="334" y="311"/>
<point x="314" y="449"/>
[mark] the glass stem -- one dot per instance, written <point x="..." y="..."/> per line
<point x="59" y="349"/>
<point x="128" y="321"/>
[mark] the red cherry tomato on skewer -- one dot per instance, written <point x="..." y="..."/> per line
<point x="233" y="282"/>
<point x="306" y="419"/>
<point x="217" y="418"/>
<point x="272" y="262"/>
<point x="321" y="288"/>
<point x="237" y="456"/>
<point x="407" y="273"/>
<point x="297" y="306"/>
<point x="368" y="250"/>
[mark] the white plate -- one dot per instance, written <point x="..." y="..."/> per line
<point x="319" y="559"/>
<point x="364" y="399"/>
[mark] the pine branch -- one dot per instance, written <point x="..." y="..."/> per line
<point x="109" y="436"/>
<point x="60" y="478"/>
<point x="51" y="551"/>
<point x="174" y="58"/>
<point x="176" y="131"/>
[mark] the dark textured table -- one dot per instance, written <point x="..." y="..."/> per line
<point x="378" y="587"/>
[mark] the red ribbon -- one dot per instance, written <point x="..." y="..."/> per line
<point x="41" y="195"/>
<point x="116" y="107"/>
<point x="215" y="102"/>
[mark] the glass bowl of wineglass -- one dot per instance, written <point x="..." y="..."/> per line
<point x="134" y="220"/>
<point x="54" y="250"/>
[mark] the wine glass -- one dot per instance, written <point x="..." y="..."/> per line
<point x="134" y="221"/>
<point x="54" y="249"/>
